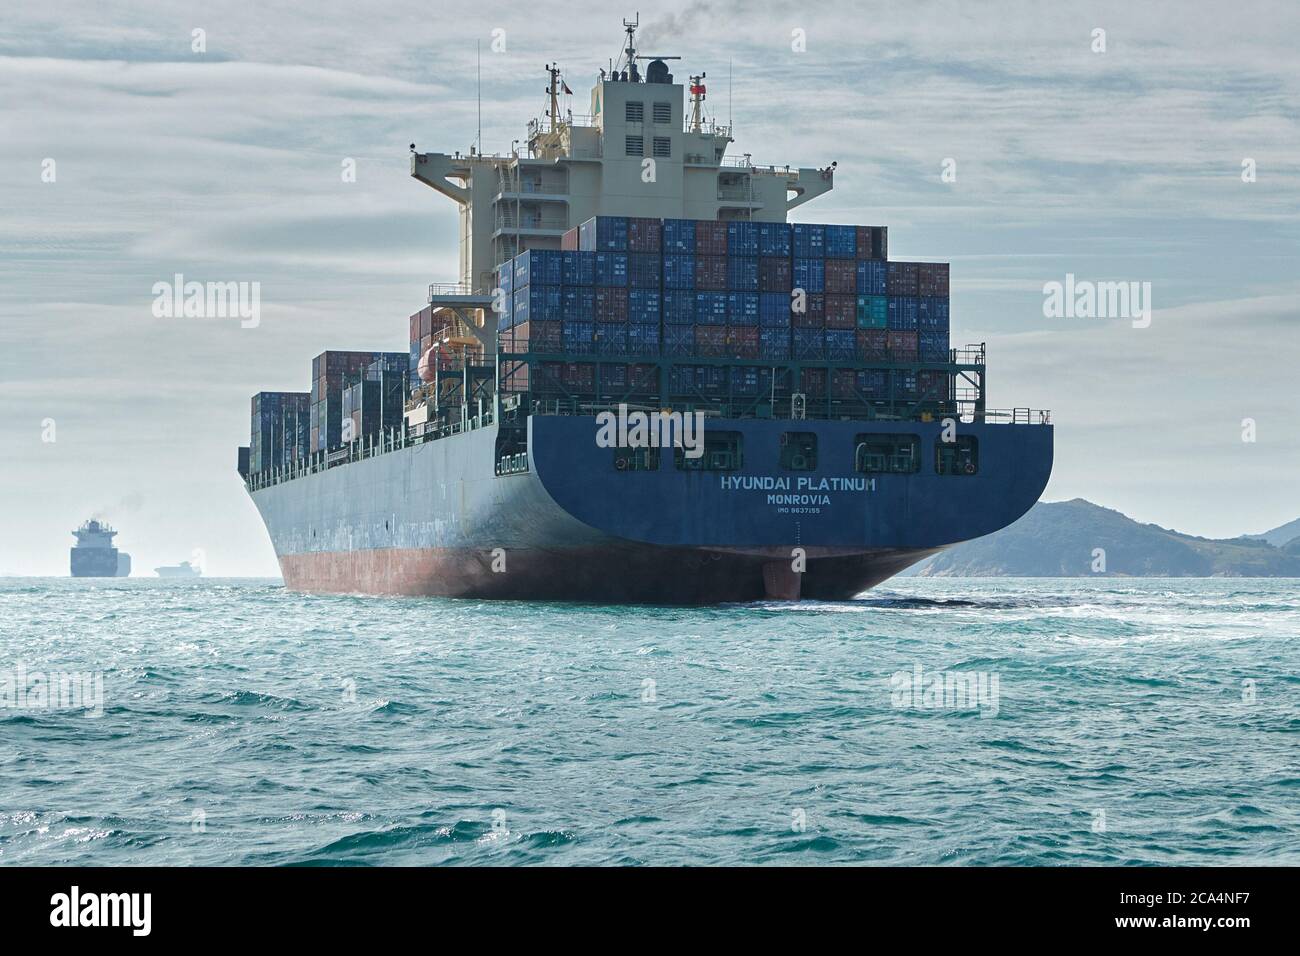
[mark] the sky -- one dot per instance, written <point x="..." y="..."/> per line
<point x="224" y="164"/>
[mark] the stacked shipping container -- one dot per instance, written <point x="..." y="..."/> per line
<point x="741" y="291"/>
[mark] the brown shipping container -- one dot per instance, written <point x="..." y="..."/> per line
<point x="841" y="277"/>
<point x="933" y="279"/>
<point x="569" y="241"/>
<point x="710" y="238"/>
<point x="711" y="340"/>
<point x="841" y="310"/>
<point x="711" y="272"/>
<point x="902" y="346"/>
<point x="873" y="345"/>
<point x="743" y="340"/>
<point x="903" y="278"/>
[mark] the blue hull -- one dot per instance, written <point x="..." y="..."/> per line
<point x="434" y="519"/>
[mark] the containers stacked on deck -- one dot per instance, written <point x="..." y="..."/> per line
<point x="743" y="292"/>
<point x="373" y="403"/>
<point x="332" y="373"/>
<point x="278" y="434"/>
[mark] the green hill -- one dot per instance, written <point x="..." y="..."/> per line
<point x="1059" y="539"/>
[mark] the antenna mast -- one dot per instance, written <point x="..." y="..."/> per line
<point x="554" y="72"/>
<point x="697" y="103"/>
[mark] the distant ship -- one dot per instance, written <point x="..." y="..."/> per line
<point x="182" y="570"/>
<point x="94" y="555"/>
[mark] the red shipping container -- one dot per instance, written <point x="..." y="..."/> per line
<point x="902" y="346"/>
<point x="711" y="273"/>
<point x="873" y="242"/>
<point x="744" y="340"/>
<point x="813" y="382"/>
<point x="711" y="340"/>
<point x="933" y="384"/>
<point x="643" y="377"/>
<point x="903" y="278"/>
<point x="841" y="276"/>
<point x="579" y="376"/>
<point x="643" y="235"/>
<point x="611" y="305"/>
<point x="843" y="382"/>
<point x="774" y="274"/>
<point x="710" y="238"/>
<point x="569" y="241"/>
<point x="841" y="310"/>
<point x="873" y="345"/>
<point x="932" y="279"/>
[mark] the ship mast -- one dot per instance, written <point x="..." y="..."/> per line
<point x="554" y="72"/>
<point x="697" y="103"/>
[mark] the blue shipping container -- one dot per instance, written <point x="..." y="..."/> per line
<point x="679" y="340"/>
<point x="679" y="271"/>
<point x="872" y="277"/>
<point x="774" y="343"/>
<point x="578" y="336"/>
<point x="774" y="239"/>
<point x="742" y="273"/>
<point x="679" y="307"/>
<point x="611" y="269"/>
<point x="810" y="275"/>
<point x="774" y="310"/>
<point x="578" y="303"/>
<point x="742" y="308"/>
<point x="841" y="345"/>
<point x="603" y="234"/>
<point x="809" y="344"/>
<point x="933" y="347"/>
<point x="679" y="236"/>
<point x="611" y="338"/>
<point x="644" y="305"/>
<point x="903" y="313"/>
<point x="742" y="238"/>
<point x="711" y="308"/>
<point x="934" y="314"/>
<point x="644" y="270"/>
<point x="807" y="240"/>
<point x="841" y="242"/>
<point x="643" y="338"/>
<point x="579" y="268"/>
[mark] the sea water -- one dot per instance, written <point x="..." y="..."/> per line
<point x="930" y="721"/>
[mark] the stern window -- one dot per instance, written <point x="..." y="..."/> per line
<point x="799" y="451"/>
<point x="723" y="451"/>
<point x="960" y="457"/>
<point x="887" y="454"/>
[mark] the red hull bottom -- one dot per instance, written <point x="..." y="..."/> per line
<point x="639" y="574"/>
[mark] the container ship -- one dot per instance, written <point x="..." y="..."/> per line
<point x="93" y="556"/>
<point x="182" y="570"/>
<point x="621" y="269"/>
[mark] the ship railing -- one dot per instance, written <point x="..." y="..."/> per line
<point x="1011" y="416"/>
<point x="507" y="221"/>
<point x="360" y="449"/>
<point x="529" y="188"/>
<point x="449" y="288"/>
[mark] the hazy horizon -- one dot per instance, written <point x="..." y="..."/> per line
<point x="224" y="165"/>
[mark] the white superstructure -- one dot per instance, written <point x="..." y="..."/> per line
<point x="644" y="149"/>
